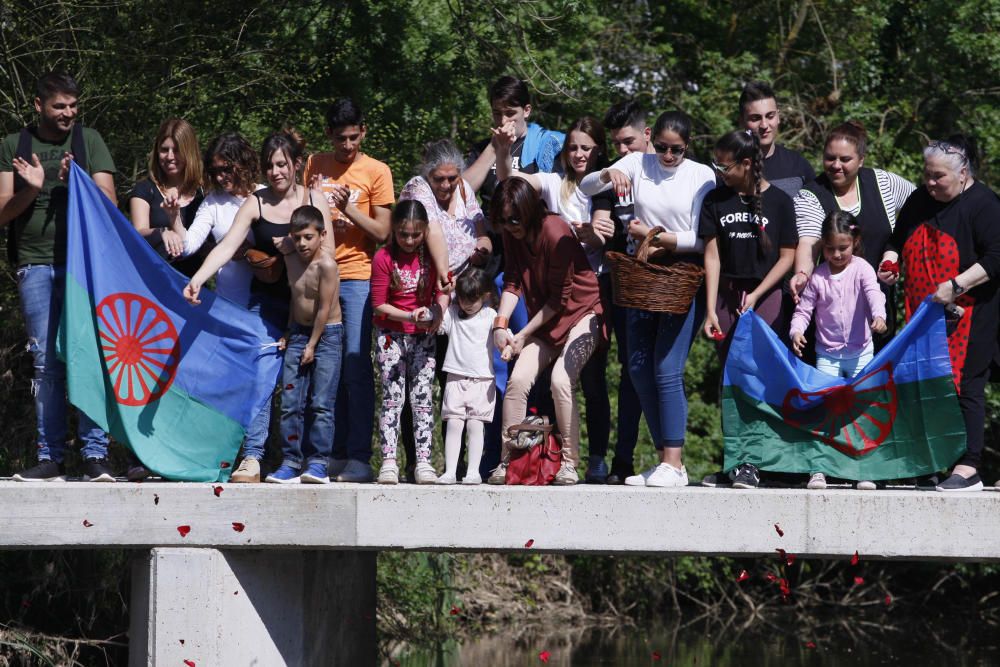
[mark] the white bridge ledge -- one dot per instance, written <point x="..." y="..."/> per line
<point x="893" y="524"/>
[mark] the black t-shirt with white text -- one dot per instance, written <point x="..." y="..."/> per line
<point x="726" y="216"/>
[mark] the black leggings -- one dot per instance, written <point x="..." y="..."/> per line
<point x="972" y="401"/>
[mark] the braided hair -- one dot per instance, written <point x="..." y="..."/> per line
<point x="743" y="145"/>
<point x="408" y="210"/>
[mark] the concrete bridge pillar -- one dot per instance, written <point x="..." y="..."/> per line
<point x="252" y="607"/>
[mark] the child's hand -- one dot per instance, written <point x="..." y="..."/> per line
<point x="712" y="328"/>
<point x="422" y="317"/>
<point x="878" y="325"/>
<point x="798" y="343"/>
<point x="507" y="354"/>
<point x="308" y="354"/>
<point x="191" y="291"/>
<point x="446" y="283"/>
<point x="501" y="339"/>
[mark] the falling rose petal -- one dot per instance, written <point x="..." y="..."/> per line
<point x="527" y="545"/>
<point x="238" y="527"/>
<point x="858" y="581"/>
<point x="455" y="611"/>
<point x="189" y="663"/>
<point x="224" y="465"/>
<point x="888" y="600"/>
<point x="771" y="577"/>
<point x="544" y="656"/>
<point x="656" y="656"/>
<point x="810" y="644"/>
<point x="781" y="553"/>
<point x="87" y="524"/>
<point x="293" y="438"/>
<point x="533" y="410"/>
<point x="156" y="499"/>
<point x="743" y="576"/>
<point x="289" y="386"/>
<point x="786" y="590"/>
<point x="217" y="490"/>
<point x="778" y="530"/>
<point x="790" y="560"/>
<point x="184" y="530"/>
<point x="855" y="558"/>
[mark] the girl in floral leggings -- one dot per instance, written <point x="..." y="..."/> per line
<point x="407" y="311"/>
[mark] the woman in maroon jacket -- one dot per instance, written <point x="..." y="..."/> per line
<point x="547" y="266"/>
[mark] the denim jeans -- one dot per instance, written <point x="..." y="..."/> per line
<point x="658" y="346"/>
<point x="355" y="412"/>
<point x="308" y="395"/>
<point x="42" y="288"/>
<point x="273" y="312"/>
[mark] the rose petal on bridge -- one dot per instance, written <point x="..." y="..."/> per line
<point x="656" y="656"/>
<point x="224" y="465"/>
<point x="778" y="530"/>
<point x="858" y="581"/>
<point x="217" y="490"/>
<point x="781" y="553"/>
<point x="790" y="560"/>
<point x="183" y="530"/>
<point x="544" y="656"/>
<point x="238" y="527"/>
<point x="855" y="558"/>
<point x="455" y="611"/>
<point x="743" y="576"/>
<point x="527" y="545"/>
<point x="87" y="524"/>
<point x="189" y="663"/>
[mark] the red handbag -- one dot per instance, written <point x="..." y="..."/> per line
<point x="538" y="463"/>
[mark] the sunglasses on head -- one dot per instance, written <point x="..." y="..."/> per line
<point x="673" y="150"/>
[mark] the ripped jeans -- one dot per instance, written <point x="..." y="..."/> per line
<point x="42" y="287"/>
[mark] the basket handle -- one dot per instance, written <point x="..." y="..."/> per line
<point x="642" y="254"/>
<point x="517" y="428"/>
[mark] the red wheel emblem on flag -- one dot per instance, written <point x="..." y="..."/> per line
<point x="139" y="344"/>
<point x="854" y="418"/>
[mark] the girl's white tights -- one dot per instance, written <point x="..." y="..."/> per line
<point x="453" y="445"/>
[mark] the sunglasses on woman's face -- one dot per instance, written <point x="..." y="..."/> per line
<point x="673" y="150"/>
<point x="723" y="168"/>
<point x="218" y="171"/>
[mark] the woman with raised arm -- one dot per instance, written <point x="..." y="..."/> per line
<point x="167" y="199"/>
<point x="947" y="241"/>
<point x="267" y="214"/>
<point x="668" y="190"/>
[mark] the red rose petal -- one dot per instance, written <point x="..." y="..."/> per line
<point x="293" y="438"/>
<point x="781" y="553"/>
<point x="544" y="656"/>
<point x="238" y="527"/>
<point x="771" y="577"/>
<point x="455" y="611"/>
<point x="183" y="530"/>
<point x="744" y="575"/>
<point x="224" y="465"/>
<point x="778" y="530"/>
<point x="189" y="663"/>
<point x="656" y="656"/>
<point x="289" y="386"/>
<point x="810" y="644"/>
<point x="855" y="558"/>
<point x="858" y="581"/>
<point x="888" y="600"/>
<point x="533" y="410"/>
<point x="87" y="524"/>
<point x="790" y="560"/>
<point x="527" y="545"/>
<point x="718" y="335"/>
<point x="786" y="590"/>
<point x="217" y="490"/>
<point x="388" y="343"/>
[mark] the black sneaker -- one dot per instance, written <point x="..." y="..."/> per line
<point x="137" y="472"/>
<point x="927" y="483"/>
<point x="619" y="471"/>
<point x="45" y="471"/>
<point x="958" y="483"/>
<point x="97" y="470"/>
<point x="747" y="477"/>
<point x="719" y="480"/>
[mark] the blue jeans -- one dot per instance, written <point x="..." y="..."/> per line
<point x="273" y="312"/>
<point x="308" y="395"/>
<point x="355" y="412"/>
<point x="658" y="346"/>
<point x="42" y="288"/>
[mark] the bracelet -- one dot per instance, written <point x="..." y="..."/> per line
<point x="956" y="289"/>
<point x="500" y="322"/>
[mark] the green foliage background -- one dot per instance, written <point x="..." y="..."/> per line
<point x="908" y="70"/>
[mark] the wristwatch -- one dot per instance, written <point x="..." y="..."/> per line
<point x="956" y="289"/>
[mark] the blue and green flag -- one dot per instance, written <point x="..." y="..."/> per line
<point x="899" y="417"/>
<point x="178" y="384"/>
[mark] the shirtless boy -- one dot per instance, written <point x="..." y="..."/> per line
<point x="313" y="353"/>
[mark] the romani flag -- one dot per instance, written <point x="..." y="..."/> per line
<point x="178" y="384"/>
<point x="899" y="417"/>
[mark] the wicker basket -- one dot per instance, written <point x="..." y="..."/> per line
<point x="660" y="289"/>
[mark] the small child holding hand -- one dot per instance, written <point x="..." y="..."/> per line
<point x="313" y="351"/>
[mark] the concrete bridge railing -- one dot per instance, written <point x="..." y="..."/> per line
<point x="271" y="575"/>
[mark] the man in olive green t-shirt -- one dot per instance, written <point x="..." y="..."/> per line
<point x="33" y="208"/>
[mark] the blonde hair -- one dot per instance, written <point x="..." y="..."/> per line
<point x="186" y="145"/>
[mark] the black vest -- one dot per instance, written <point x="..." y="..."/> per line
<point x="79" y="150"/>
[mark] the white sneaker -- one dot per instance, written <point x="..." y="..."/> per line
<point x="389" y="472"/>
<point x="499" y="475"/>
<point x="424" y="473"/>
<point x="640" y="479"/>
<point x="866" y="485"/>
<point x="817" y="481"/>
<point x="446" y="479"/>
<point x="472" y="478"/>
<point x="666" y="475"/>
<point x="566" y="476"/>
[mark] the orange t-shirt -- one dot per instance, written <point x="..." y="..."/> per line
<point x="371" y="185"/>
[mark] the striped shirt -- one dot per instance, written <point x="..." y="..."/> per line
<point x="893" y="191"/>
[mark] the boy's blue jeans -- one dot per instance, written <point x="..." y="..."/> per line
<point x="308" y="395"/>
<point x="42" y="288"/>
